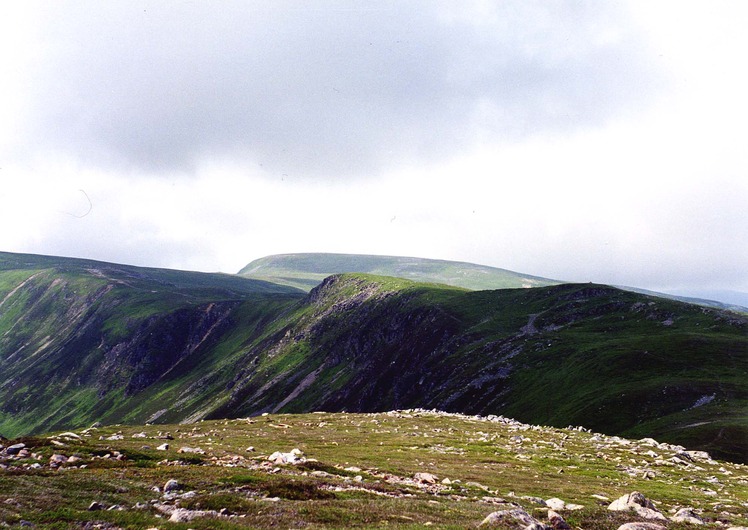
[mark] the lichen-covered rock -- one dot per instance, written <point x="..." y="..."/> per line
<point x="557" y="522"/>
<point x="641" y="526"/>
<point x="519" y="517"/>
<point x="637" y="503"/>
<point x="687" y="515"/>
<point x="425" y="478"/>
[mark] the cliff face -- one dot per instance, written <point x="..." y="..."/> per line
<point x="84" y="344"/>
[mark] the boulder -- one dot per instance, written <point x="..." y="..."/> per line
<point x="57" y="460"/>
<point x="183" y="515"/>
<point x="687" y="515"/>
<point x="641" y="526"/>
<point x="517" y="516"/>
<point x="557" y="522"/>
<point x="555" y="504"/>
<point x="638" y="503"/>
<point x="425" y="478"/>
<point x="171" y="485"/>
<point x="14" y="449"/>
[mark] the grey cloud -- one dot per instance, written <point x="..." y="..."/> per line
<point x="324" y="88"/>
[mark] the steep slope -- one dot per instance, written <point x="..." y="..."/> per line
<point x="82" y="341"/>
<point x="85" y="341"/>
<point x="591" y="355"/>
<point x="305" y="271"/>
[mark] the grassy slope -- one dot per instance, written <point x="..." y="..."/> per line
<point x="359" y="474"/>
<point x="305" y="271"/>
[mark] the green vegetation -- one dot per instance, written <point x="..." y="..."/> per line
<point x="305" y="271"/>
<point x="354" y="471"/>
<point x="83" y="341"/>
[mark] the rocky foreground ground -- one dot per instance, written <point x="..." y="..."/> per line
<point x="402" y="469"/>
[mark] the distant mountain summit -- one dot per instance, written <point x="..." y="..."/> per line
<point x="305" y="271"/>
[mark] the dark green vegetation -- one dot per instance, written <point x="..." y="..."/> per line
<point x="356" y="471"/>
<point x="83" y="342"/>
<point x="306" y="271"/>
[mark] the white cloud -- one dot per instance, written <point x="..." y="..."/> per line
<point x="560" y="139"/>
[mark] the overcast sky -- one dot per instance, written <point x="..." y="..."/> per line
<point x="585" y="141"/>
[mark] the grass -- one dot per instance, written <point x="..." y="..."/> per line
<point x="359" y="474"/>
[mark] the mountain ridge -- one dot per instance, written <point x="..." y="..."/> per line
<point x="306" y="270"/>
<point x="134" y="346"/>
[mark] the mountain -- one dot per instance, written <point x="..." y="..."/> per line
<point x="84" y="341"/>
<point x="306" y="271"/>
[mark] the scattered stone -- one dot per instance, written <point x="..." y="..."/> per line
<point x="69" y="436"/>
<point x="425" y="478"/>
<point x="183" y="515"/>
<point x="57" y="460"/>
<point x="171" y="485"/>
<point x="638" y="503"/>
<point x="294" y="457"/>
<point x="555" y="504"/>
<point x="687" y="515"/>
<point x="557" y="522"/>
<point x="641" y="526"/>
<point x="163" y="447"/>
<point x="14" y="449"/>
<point x="600" y="497"/>
<point x="250" y="449"/>
<point x="196" y="450"/>
<point x="518" y="516"/>
<point x="697" y="455"/>
<point x="95" y="506"/>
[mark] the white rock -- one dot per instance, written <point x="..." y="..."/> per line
<point x="163" y="447"/>
<point x="517" y="515"/>
<point x="638" y="503"/>
<point x="555" y="504"/>
<point x="687" y="515"/>
<point x="183" y="515"/>
<point x="425" y="478"/>
<point x="171" y="485"/>
<point x="641" y="526"/>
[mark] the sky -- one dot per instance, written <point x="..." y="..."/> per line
<point x="575" y="140"/>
